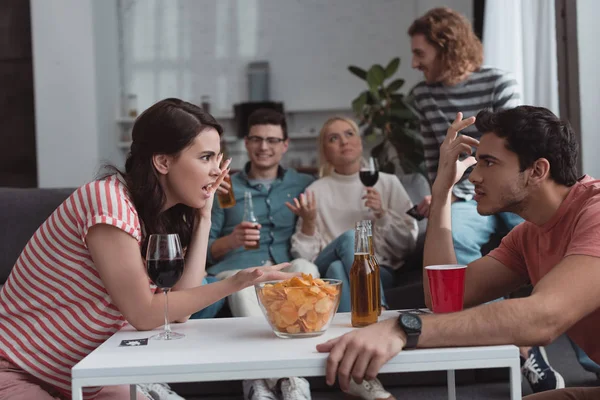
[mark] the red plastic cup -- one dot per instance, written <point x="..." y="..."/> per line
<point x="447" y="287"/>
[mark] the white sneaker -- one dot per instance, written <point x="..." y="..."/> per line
<point x="369" y="390"/>
<point x="257" y="389"/>
<point x="143" y="389"/>
<point x="295" y="388"/>
<point x="159" y="391"/>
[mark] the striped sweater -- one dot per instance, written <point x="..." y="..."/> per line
<point x="54" y="308"/>
<point x="437" y="105"/>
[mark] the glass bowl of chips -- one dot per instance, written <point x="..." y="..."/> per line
<point x="301" y="306"/>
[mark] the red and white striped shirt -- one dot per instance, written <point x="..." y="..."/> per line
<point x="54" y="308"/>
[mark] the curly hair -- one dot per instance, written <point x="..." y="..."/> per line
<point x="459" y="49"/>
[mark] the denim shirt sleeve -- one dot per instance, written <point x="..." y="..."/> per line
<point x="216" y="226"/>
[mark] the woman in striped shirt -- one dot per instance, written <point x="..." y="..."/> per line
<point x="81" y="277"/>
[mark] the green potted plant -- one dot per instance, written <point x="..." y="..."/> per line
<point x="381" y="109"/>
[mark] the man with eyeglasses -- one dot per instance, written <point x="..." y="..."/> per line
<point x="271" y="186"/>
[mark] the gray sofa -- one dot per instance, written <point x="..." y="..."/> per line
<point x="22" y="211"/>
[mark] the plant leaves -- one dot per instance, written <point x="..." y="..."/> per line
<point x="384" y="110"/>
<point x="403" y="113"/>
<point x="375" y="77"/>
<point x="361" y="73"/>
<point x="359" y="103"/>
<point x="392" y="67"/>
<point x="395" y="85"/>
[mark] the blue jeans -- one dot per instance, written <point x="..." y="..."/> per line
<point x="335" y="261"/>
<point x="214" y="308"/>
<point x="584" y="360"/>
<point x="470" y="230"/>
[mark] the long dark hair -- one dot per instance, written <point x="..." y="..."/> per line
<point x="167" y="127"/>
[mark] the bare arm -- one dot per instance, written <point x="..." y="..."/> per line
<point x="117" y="258"/>
<point x="562" y="298"/>
<point x="195" y="259"/>
<point x="308" y="227"/>
<point x="439" y="247"/>
<point x="486" y="279"/>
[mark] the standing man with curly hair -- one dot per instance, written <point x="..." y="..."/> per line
<point x="447" y="51"/>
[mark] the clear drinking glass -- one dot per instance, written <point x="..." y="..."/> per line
<point x="165" y="263"/>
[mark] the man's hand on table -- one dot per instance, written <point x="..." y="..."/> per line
<point x="360" y="354"/>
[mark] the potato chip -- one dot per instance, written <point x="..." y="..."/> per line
<point x="304" y="308"/>
<point x="323" y="305"/>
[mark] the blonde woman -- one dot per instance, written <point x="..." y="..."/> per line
<point x="328" y="211"/>
<point x="331" y="205"/>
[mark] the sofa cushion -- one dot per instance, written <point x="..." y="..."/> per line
<point x="22" y="211"/>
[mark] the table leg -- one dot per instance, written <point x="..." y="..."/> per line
<point x="515" y="382"/>
<point x="76" y="391"/>
<point x="133" y="392"/>
<point x="451" y="385"/>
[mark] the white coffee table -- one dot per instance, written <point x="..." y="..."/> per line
<point x="246" y="348"/>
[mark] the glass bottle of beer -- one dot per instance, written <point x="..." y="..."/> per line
<point x="249" y="216"/>
<point x="363" y="299"/>
<point x="226" y="200"/>
<point x="369" y="226"/>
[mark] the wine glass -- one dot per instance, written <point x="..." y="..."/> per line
<point x="165" y="263"/>
<point x="369" y="173"/>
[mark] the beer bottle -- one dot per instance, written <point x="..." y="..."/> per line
<point x="363" y="299"/>
<point x="369" y="226"/>
<point x="249" y="216"/>
<point x="226" y="200"/>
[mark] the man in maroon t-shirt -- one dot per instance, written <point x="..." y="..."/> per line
<point x="526" y="164"/>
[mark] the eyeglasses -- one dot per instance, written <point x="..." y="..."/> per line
<point x="271" y="141"/>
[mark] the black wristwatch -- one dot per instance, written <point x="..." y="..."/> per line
<point x="411" y="325"/>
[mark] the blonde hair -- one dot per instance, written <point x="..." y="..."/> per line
<point x="325" y="166"/>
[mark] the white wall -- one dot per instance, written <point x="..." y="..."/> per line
<point x="190" y="48"/>
<point x="78" y="67"/>
<point x="588" y="31"/>
<point x="65" y="91"/>
<point x="108" y="89"/>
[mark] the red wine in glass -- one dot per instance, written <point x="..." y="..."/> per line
<point x="368" y="178"/>
<point x="165" y="273"/>
<point x="165" y="264"/>
<point x="369" y="172"/>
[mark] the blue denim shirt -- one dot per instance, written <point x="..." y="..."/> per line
<point x="278" y="223"/>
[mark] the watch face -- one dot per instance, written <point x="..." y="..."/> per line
<point x="411" y="321"/>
